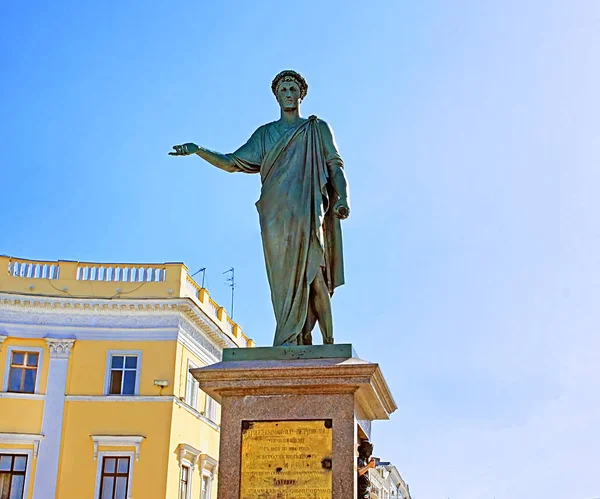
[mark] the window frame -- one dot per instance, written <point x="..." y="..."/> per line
<point x="9" y="355"/>
<point x="116" y="473"/>
<point x="29" y="454"/>
<point x="100" y="465"/>
<point x="191" y="365"/>
<point x="210" y="414"/>
<point x="188" y="482"/>
<point x="138" y="372"/>
<point x="206" y="478"/>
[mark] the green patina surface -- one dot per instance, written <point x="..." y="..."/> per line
<point x="341" y="351"/>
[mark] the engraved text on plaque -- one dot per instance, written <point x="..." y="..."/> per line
<point x="286" y="460"/>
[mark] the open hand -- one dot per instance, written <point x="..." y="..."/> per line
<point x="185" y="149"/>
<point x="341" y="209"/>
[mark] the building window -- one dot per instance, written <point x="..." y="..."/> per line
<point x="123" y="373"/>
<point x="23" y="372"/>
<point x="12" y="475"/>
<point x="191" y="389"/>
<point x="115" y="477"/>
<point x="206" y="486"/>
<point x="210" y="409"/>
<point x="184" y="482"/>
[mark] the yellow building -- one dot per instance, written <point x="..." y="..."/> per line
<point x="96" y="399"/>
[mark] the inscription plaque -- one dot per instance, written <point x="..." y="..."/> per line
<point x="286" y="459"/>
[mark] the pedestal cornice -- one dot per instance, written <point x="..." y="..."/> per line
<point x="306" y="376"/>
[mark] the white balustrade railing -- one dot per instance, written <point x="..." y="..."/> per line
<point x="214" y="307"/>
<point x="191" y="288"/>
<point x="114" y="273"/>
<point x="34" y="270"/>
<point x="229" y="324"/>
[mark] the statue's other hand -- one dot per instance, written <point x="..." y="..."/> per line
<point x="184" y="149"/>
<point x="341" y="209"/>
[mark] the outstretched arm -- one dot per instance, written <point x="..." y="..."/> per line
<point x="217" y="159"/>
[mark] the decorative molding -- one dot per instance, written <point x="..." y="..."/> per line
<point x="59" y="348"/>
<point x="23" y="438"/>
<point x="2" y="338"/>
<point x="108" y="313"/>
<point x="118" y="441"/>
<point x="199" y="344"/>
<point x="209" y="464"/>
<point x="188" y="455"/>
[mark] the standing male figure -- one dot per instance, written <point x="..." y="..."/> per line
<point x="364" y="463"/>
<point x="304" y="196"/>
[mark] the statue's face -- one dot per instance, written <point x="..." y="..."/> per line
<point x="288" y="95"/>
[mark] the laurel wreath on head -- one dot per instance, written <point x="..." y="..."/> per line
<point x="289" y="75"/>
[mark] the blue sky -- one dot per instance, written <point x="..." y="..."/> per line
<point x="469" y="130"/>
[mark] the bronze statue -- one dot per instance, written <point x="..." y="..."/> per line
<point x="304" y="196"/>
<point x="365" y="463"/>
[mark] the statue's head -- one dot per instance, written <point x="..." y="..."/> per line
<point x="365" y="449"/>
<point x="289" y="89"/>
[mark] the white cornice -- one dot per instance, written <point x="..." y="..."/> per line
<point x="118" y="441"/>
<point x="91" y="318"/>
<point x="186" y="454"/>
<point x="22" y="438"/>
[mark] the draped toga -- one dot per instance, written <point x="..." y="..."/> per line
<point x="300" y="233"/>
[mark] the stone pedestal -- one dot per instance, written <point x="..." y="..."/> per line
<point x="307" y="383"/>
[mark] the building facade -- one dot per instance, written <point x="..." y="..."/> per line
<point x="387" y="483"/>
<point x="96" y="399"/>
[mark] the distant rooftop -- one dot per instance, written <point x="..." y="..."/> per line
<point x="67" y="278"/>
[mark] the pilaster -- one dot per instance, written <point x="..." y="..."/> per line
<point x="52" y="423"/>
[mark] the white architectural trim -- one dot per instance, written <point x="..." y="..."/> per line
<point x="195" y="384"/>
<point x="2" y="338"/>
<point x="208" y="464"/>
<point x="209" y="467"/>
<point x="187" y="456"/>
<point x="9" y="351"/>
<point x="26" y="396"/>
<point x="46" y="475"/>
<point x="103" y="454"/>
<point x="60" y="348"/>
<point x="138" y="371"/>
<point x="29" y="454"/>
<point x="76" y="314"/>
<point x="192" y="343"/>
<point x="22" y="438"/>
<point x="118" y="441"/>
<point x="199" y="415"/>
<point x="119" y="398"/>
<point x="117" y="333"/>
